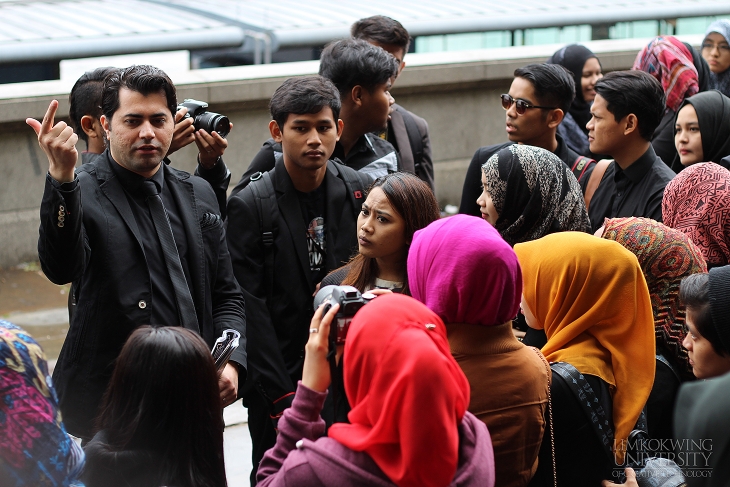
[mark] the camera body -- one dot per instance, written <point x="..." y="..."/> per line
<point x="350" y="301"/>
<point x="203" y="119"/>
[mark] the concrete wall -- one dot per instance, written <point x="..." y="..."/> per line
<point x="456" y="92"/>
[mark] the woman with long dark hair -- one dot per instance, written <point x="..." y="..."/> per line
<point x="397" y="205"/>
<point x="161" y="421"/>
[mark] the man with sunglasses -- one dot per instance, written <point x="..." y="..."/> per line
<point x="537" y="101"/>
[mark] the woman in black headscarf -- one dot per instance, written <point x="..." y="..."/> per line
<point x="586" y="70"/>
<point x="706" y="115"/>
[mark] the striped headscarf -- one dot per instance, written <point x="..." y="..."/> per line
<point x="669" y="61"/>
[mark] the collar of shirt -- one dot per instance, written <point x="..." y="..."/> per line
<point x="132" y="182"/>
<point x="638" y="169"/>
<point x="361" y="145"/>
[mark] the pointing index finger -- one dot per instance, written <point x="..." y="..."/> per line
<point x="47" y="124"/>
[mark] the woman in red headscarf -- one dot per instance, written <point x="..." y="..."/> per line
<point x="408" y="425"/>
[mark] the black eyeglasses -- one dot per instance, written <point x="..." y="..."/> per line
<point x="711" y="47"/>
<point x="521" y="106"/>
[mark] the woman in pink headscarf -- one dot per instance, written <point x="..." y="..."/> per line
<point x="462" y="269"/>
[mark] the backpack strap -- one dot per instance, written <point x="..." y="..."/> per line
<point x="595" y="180"/>
<point x="268" y="209"/>
<point x="580" y="165"/>
<point x="354" y="185"/>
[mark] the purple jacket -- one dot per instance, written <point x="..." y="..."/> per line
<point x="303" y="456"/>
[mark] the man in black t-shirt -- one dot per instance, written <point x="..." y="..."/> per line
<point x="537" y="101"/>
<point x="312" y="206"/>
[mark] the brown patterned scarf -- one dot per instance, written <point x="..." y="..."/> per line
<point x="666" y="256"/>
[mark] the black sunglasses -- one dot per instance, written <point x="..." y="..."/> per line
<point x="521" y="106"/>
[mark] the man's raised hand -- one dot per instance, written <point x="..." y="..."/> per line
<point x="58" y="142"/>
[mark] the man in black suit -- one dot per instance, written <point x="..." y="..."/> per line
<point x="142" y="242"/>
<point x="405" y="130"/>
<point x="311" y="204"/>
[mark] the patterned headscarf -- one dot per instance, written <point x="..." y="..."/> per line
<point x="697" y="203"/>
<point x="669" y="61"/>
<point x="34" y="447"/>
<point x="407" y="392"/>
<point x="591" y="298"/>
<point x="446" y="265"/>
<point x="534" y="193"/>
<point x="666" y="256"/>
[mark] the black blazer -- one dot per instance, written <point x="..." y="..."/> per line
<point x="279" y="323"/>
<point x="97" y="246"/>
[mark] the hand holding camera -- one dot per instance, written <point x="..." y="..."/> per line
<point x="193" y="123"/>
<point x="316" y="373"/>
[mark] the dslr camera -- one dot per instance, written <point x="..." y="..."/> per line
<point x="203" y="119"/>
<point x="350" y="301"/>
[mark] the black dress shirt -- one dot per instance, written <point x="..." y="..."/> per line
<point x="635" y="191"/>
<point x="163" y="306"/>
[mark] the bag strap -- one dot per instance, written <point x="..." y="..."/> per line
<point x="550" y="414"/>
<point x="580" y="165"/>
<point x="589" y="403"/>
<point x="595" y="180"/>
<point x="265" y="196"/>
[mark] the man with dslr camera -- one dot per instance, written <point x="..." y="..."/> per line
<point x="85" y="114"/>
<point x="142" y="242"/>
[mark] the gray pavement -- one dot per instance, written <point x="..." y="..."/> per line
<point x="237" y="445"/>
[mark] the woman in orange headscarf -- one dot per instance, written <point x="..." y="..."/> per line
<point x="591" y="298"/>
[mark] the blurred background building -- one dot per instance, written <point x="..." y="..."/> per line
<point x="38" y="37"/>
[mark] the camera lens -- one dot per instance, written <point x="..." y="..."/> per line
<point x="213" y="122"/>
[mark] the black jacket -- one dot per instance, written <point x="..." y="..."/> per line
<point x="97" y="246"/>
<point x="411" y="139"/>
<point x="280" y="321"/>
